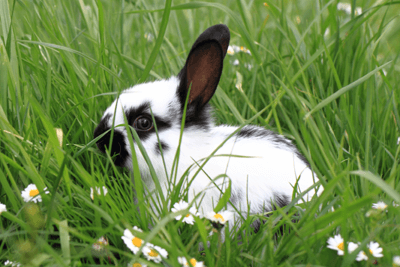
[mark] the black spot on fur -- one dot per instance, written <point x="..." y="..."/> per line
<point x="164" y="147"/>
<point x="252" y="131"/>
<point x="281" y="200"/>
<point x="236" y="197"/>
<point x="256" y="225"/>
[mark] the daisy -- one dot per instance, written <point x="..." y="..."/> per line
<point x="149" y="37"/>
<point x="336" y="243"/>
<point x="132" y="242"/>
<point x="233" y="49"/>
<point x="361" y="255"/>
<point x="185" y="263"/>
<point x="98" y="192"/>
<point x="10" y="263"/>
<point x="375" y="250"/>
<point x="347" y="8"/>
<point x="31" y="193"/>
<point x="182" y="205"/>
<point x="230" y="51"/>
<point x="154" y="253"/>
<point x="218" y="220"/>
<point x="100" y="244"/>
<point x="3" y="208"/>
<point x="134" y="263"/>
<point x="396" y="261"/>
<point x="379" y="206"/>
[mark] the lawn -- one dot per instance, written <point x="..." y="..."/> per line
<point x="325" y="74"/>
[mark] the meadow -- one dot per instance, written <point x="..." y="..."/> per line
<point x="325" y="74"/>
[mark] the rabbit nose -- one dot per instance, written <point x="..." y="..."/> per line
<point x="118" y="149"/>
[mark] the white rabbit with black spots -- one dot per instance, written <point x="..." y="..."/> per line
<point x="264" y="167"/>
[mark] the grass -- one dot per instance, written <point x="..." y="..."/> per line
<point x="326" y="79"/>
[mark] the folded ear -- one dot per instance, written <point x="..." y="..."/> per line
<point x="203" y="67"/>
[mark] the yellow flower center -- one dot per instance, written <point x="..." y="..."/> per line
<point x="136" y="264"/>
<point x="187" y="215"/>
<point x="193" y="262"/>
<point x="219" y="216"/>
<point x="137" y="242"/>
<point x="341" y="246"/>
<point x="33" y="192"/>
<point x="153" y="253"/>
<point x="370" y="251"/>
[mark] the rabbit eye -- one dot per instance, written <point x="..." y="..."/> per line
<point x="143" y="124"/>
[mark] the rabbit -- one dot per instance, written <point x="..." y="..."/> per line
<point x="263" y="167"/>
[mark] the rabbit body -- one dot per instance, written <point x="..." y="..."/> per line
<point x="263" y="167"/>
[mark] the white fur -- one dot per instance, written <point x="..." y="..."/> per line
<point x="269" y="169"/>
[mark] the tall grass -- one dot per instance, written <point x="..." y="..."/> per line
<point x="326" y="79"/>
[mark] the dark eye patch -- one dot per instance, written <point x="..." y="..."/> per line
<point x="134" y="113"/>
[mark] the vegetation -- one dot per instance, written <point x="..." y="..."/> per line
<point x="322" y="75"/>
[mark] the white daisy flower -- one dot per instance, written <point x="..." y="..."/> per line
<point x="10" y="263"/>
<point x="235" y="62"/>
<point x="248" y="66"/>
<point x="3" y="208"/>
<point x="233" y="49"/>
<point x="185" y="263"/>
<point x="222" y="217"/>
<point x="245" y="50"/>
<point x="100" y="244"/>
<point x="149" y="37"/>
<point x="230" y="51"/>
<point x="396" y="261"/>
<point x="154" y="253"/>
<point x="336" y="243"/>
<point x="346" y="7"/>
<point x="182" y="205"/>
<point x="31" y="193"/>
<point x="375" y="250"/>
<point x="98" y="191"/>
<point x="361" y="255"/>
<point x="218" y="220"/>
<point x="134" y="263"/>
<point x="379" y="206"/>
<point x="132" y="242"/>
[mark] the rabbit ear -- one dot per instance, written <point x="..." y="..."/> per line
<point x="203" y="66"/>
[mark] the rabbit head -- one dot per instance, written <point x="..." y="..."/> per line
<point x="165" y="101"/>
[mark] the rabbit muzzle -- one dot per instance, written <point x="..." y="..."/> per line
<point x="116" y="146"/>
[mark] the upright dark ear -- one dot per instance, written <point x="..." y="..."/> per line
<point x="203" y="66"/>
